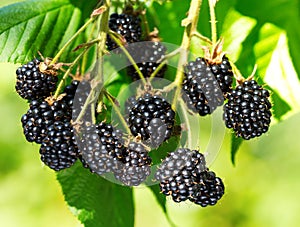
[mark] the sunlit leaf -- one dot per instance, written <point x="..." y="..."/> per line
<point x="31" y="26"/>
<point x="96" y="201"/>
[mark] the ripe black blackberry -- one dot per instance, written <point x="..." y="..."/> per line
<point x="34" y="83"/>
<point x="152" y="118"/>
<point x="146" y="55"/>
<point x="207" y="189"/>
<point x="59" y="150"/>
<point x="223" y="74"/>
<point x="102" y="148"/>
<point x="41" y="115"/>
<point x="136" y="165"/>
<point x="76" y="94"/>
<point x="205" y="84"/>
<point x="178" y="172"/>
<point x="248" y="110"/>
<point x="128" y="26"/>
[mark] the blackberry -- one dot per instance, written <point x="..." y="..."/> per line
<point x="247" y="111"/>
<point x="136" y="165"/>
<point x="152" y="118"/>
<point x="205" y="85"/>
<point x="77" y="93"/>
<point x="42" y="115"/>
<point x="128" y="26"/>
<point x="102" y="148"/>
<point x="223" y="74"/>
<point x="146" y="55"/>
<point x="207" y="190"/>
<point x="59" y="150"/>
<point x="178" y="172"/>
<point x="32" y="83"/>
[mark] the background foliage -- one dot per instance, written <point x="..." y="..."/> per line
<point x="261" y="190"/>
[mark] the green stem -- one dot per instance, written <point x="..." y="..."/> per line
<point x="116" y="108"/>
<point x="97" y="73"/>
<point x="57" y="56"/>
<point x="113" y="36"/>
<point x="88" y="101"/>
<point x="160" y="66"/>
<point x="213" y="21"/>
<point x="190" y="24"/>
<point x="67" y="73"/>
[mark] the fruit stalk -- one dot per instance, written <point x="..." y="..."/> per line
<point x="213" y="22"/>
<point x="190" y="24"/>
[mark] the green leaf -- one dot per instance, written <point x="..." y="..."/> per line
<point x="280" y="107"/>
<point x="96" y="201"/>
<point x="160" y="198"/>
<point x="265" y="47"/>
<point x="282" y="13"/>
<point x="45" y="26"/>
<point x="235" y="144"/>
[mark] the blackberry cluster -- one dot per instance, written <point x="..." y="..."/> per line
<point x="184" y="175"/>
<point x="152" y="118"/>
<point x="136" y="165"/>
<point x="205" y="85"/>
<point x="248" y="110"/>
<point x="41" y="115"/>
<point x="33" y="84"/>
<point x="146" y="55"/>
<point x="128" y="26"/>
<point x="102" y="148"/>
<point x="58" y="149"/>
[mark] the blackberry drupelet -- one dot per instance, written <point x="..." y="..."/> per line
<point x="59" y="150"/>
<point x="248" y="110"/>
<point x="41" y="115"/>
<point x="178" y="172"/>
<point x="207" y="190"/>
<point x="102" y="148"/>
<point x="152" y="118"/>
<point x="32" y="83"/>
<point x="128" y="26"/>
<point x="136" y="165"/>
<point x="146" y="55"/>
<point x="206" y="84"/>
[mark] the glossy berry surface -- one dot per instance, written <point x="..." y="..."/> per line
<point x="136" y="165"/>
<point x="248" y="110"/>
<point x="41" y="115"/>
<point x="128" y="26"/>
<point x="59" y="150"/>
<point x="152" y="118"/>
<point x="184" y="176"/>
<point x="32" y="83"/>
<point x="205" y="85"/>
<point x="177" y="173"/>
<point x="146" y="55"/>
<point x="101" y="148"/>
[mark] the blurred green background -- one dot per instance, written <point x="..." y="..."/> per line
<point x="261" y="190"/>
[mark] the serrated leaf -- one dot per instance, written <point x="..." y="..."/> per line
<point x="31" y="26"/>
<point x="235" y="144"/>
<point x="96" y="201"/>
